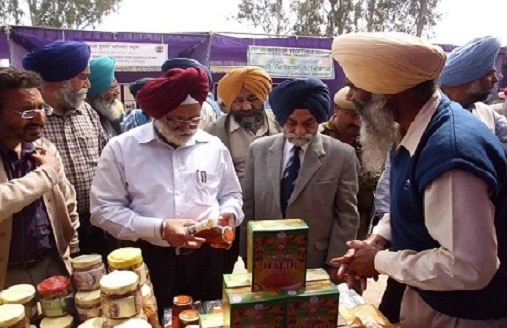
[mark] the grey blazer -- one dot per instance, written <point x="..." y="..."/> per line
<point x="325" y="194"/>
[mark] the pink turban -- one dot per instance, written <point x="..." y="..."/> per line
<point x="161" y="95"/>
<point x="387" y="62"/>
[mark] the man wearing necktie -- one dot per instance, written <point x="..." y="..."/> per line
<point x="303" y="174"/>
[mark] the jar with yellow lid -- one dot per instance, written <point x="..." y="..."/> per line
<point x="23" y="294"/>
<point x="65" y="321"/>
<point x="93" y="323"/>
<point x="188" y="317"/>
<point x="129" y="258"/>
<point x="87" y="271"/>
<point x="150" y="307"/>
<point x="88" y="304"/>
<point x="121" y="295"/>
<point x="13" y="316"/>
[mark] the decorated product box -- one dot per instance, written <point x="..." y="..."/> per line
<point x="313" y="306"/>
<point x="243" y="308"/>
<point x="277" y="251"/>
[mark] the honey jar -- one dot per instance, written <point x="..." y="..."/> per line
<point x="180" y="303"/>
<point x="120" y="295"/>
<point x="87" y="271"/>
<point x="129" y="258"/>
<point x="13" y="316"/>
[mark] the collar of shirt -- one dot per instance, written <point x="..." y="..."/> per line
<point x="28" y="148"/>
<point x="234" y="126"/>
<point x="147" y="133"/>
<point x="414" y="133"/>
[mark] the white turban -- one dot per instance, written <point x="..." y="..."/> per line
<point x="387" y="62"/>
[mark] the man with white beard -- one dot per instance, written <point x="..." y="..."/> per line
<point x="74" y="127"/>
<point x="154" y="180"/>
<point x="304" y="174"/>
<point x="445" y="229"/>
<point x="103" y="94"/>
<point x="468" y="77"/>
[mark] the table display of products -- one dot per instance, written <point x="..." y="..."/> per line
<point x="118" y="299"/>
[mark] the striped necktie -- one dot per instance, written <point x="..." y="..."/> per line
<point x="290" y="175"/>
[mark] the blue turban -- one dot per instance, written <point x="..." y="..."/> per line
<point x="101" y="74"/>
<point x="470" y="62"/>
<point x="186" y="63"/>
<point x="58" y="61"/>
<point x="310" y="93"/>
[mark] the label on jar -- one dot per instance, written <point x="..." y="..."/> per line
<point x="124" y="307"/>
<point x="89" y="279"/>
<point x="85" y="314"/>
<point x="56" y="307"/>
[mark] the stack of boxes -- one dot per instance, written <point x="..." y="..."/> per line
<point x="278" y="290"/>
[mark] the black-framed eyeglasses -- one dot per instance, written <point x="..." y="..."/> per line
<point x="31" y="113"/>
<point x="179" y="122"/>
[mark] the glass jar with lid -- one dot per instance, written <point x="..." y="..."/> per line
<point x="87" y="271"/>
<point x="129" y="258"/>
<point x="121" y="295"/>
<point x="88" y="304"/>
<point x="13" y="316"/>
<point x="23" y="294"/>
<point x="56" y="297"/>
<point x="65" y="321"/>
<point x="188" y="317"/>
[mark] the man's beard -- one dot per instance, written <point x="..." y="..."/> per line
<point x="476" y="93"/>
<point x="249" y="119"/>
<point x="377" y="132"/>
<point x="299" y="141"/>
<point x="69" y="98"/>
<point x="106" y="108"/>
<point x="178" y="138"/>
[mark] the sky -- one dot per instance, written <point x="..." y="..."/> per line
<point x="462" y="20"/>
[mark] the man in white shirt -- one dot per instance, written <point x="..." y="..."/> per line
<point x="446" y="227"/>
<point x="153" y="181"/>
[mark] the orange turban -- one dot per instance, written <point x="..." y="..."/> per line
<point x="387" y="62"/>
<point x="163" y="94"/>
<point x="254" y="79"/>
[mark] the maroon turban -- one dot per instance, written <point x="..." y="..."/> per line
<point x="161" y="95"/>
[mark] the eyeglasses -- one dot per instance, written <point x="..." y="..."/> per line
<point x="179" y="122"/>
<point x="31" y="113"/>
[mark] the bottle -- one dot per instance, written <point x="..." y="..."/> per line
<point x="216" y="235"/>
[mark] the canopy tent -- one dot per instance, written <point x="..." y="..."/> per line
<point x="221" y="52"/>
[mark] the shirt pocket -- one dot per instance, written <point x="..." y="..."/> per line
<point x="89" y="146"/>
<point x="202" y="187"/>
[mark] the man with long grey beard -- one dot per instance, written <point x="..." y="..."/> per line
<point x="445" y="230"/>
<point x="468" y="78"/>
<point x="304" y="174"/>
<point x="74" y="127"/>
<point x="103" y="94"/>
<point x="154" y="180"/>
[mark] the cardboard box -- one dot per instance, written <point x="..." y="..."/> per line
<point x="277" y="251"/>
<point x="314" y="306"/>
<point x="243" y="308"/>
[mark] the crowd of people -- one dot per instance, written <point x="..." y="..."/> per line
<point x="407" y="178"/>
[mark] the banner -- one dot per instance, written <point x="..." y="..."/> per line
<point x="282" y="62"/>
<point x="132" y="57"/>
